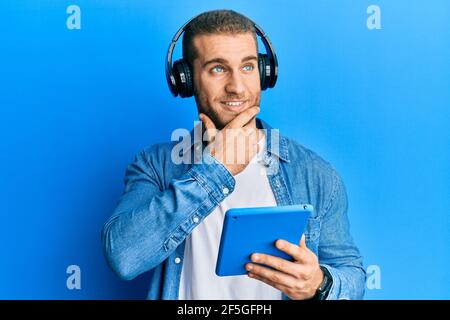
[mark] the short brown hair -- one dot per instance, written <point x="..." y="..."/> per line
<point x="216" y="21"/>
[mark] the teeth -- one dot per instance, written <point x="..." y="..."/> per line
<point x="234" y="103"/>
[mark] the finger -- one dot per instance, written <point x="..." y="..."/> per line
<point x="243" y="118"/>
<point x="248" y="124"/>
<point x="251" y="145"/>
<point x="270" y="283"/>
<point x="277" y="263"/>
<point x="271" y="275"/>
<point x="251" y="132"/>
<point x="291" y="249"/>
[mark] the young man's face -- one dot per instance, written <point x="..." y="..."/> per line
<point x="226" y="76"/>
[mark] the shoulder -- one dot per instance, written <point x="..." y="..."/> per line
<point x="152" y="162"/>
<point x="152" y="158"/>
<point x="157" y="151"/>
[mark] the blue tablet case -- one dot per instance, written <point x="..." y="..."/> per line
<point x="249" y="230"/>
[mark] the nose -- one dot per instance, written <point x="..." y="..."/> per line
<point x="235" y="84"/>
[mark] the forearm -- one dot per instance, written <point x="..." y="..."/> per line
<point x="337" y="250"/>
<point x="142" y="233"/>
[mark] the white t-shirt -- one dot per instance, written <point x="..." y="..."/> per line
<point x="198" y="277"/>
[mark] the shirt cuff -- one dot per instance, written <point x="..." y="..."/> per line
<point x="214" y="177"/>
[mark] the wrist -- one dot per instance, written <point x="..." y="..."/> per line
<point x="325" y="286"/>
<point x="318" y="279"/>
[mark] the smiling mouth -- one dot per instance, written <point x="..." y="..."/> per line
<point x="233" y="103"/>
<point x="234" y="106"/>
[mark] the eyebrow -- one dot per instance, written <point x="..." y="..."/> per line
<point x="224" y="61"/>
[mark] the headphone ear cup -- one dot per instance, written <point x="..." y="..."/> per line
<point x="264" y="70"/>
<point x="183" y="78"/>
<point x="189" y="79"/>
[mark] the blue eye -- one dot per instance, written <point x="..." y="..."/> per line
<point x="218" y="69"/>
<point x="248" y="67"/>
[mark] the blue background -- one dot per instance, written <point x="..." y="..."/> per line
<point x="76" y="105"/>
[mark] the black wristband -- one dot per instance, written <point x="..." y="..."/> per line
<point x="325" y="286"/>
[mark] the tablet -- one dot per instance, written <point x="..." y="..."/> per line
<point x="249" y="230"/>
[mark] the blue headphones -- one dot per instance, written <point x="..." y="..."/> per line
<point x="179" y="76"/>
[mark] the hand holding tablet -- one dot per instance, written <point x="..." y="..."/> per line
<point x="249" y="230"/>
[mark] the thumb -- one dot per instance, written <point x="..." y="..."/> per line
<point x="210" y="127"/>
<point x="303" y="242"/>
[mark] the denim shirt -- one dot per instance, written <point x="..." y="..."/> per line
<point x="163" y="202"/>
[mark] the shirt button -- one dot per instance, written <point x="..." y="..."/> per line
<point x="177" y="260"/>
<point x="225" y="191"/>
<point x="195" y="219"/>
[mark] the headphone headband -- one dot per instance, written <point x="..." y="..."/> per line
<point x="271" y="68"/>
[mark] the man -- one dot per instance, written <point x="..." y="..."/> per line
<point x="170" y="215"/>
